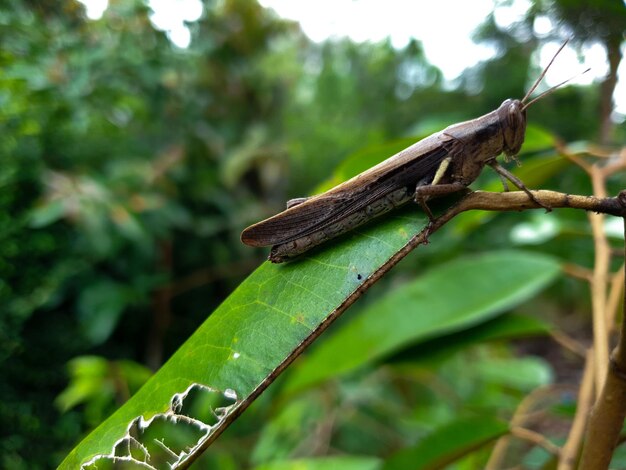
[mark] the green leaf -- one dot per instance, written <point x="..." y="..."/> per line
<point x="448" y="443"/>
<point x="97" y="382"/>
<point x="336" y="463"/>
<point x="525" y="374"/>
<point x="255" y="330"/>
<point x="505" y="327"/>
<point x="46" y="214"/>
<point x="100" y="306"/>
<point x="537" y="138"/>
<point x="535" y="170"/>
<point x="290" y="429"/>
<point x="87" y="377"/>
<point x="449" y="298"/>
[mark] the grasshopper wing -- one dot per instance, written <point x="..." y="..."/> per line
<point x="355" y="194"/>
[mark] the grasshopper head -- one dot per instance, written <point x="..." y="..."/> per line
<point x="512" y="117"/>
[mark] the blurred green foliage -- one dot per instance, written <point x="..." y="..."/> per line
<point x="128" y="167"/>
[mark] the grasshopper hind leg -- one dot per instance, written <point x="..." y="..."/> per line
<point x="422" y="193"/>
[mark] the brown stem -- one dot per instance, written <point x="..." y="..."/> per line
<point x="615" y="296"/>
<point x="522" y="416"/>
<point x="519" y="201"/>
<point x="571" y="448"/>
<point x="535" y="438"/>
<point x="574" y="158"/>
<point x="577" y="271"/>
<point x="569" y="343"/>
<point x="607" y="418"/>
<point x="614" y="54"/>
<point x="161" y="312"/>
<point x="599" y="282"/>
<point x="620" y="351"/>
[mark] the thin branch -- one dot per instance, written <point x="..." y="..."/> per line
<point x="522" y="416"/>
<point x="577" y="272"/>
<point x="571" y="448"/>
<point x="599" y="281"/>
<point x="616" y="164"/>
<point x="620" y="351"/>
<point x="519" y="201"/>
<point x="535" y="438"/>
<point x="600" y="151"/>
<point x="569" y="343"/>
<point x="617" y="157"/>
<point x="615" y="297"/>
<point x="573" y="157"/>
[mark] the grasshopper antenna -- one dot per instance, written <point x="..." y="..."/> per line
<point x="547" y="92"/>
<point x="543" y="74"/>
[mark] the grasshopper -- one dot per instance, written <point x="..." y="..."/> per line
<point x="442" y="163"/>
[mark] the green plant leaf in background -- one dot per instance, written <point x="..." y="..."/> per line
<point x="525" y="373"/>
<point x="336" y="463"/>
<point x="292" y="428"/>
<point x="100" y="306"/>
<point x="95" y="382"/>
<point x="449" y="298"/>
<point x="504" y="327"/>
<point x="447" y="444"/>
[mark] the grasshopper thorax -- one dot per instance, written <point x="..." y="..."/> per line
<point x="512" y="117"/>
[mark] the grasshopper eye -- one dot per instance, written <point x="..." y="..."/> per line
<point x="513" y="119"/>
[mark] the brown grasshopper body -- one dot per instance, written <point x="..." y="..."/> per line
<point x="442" y="163"/>
<point x="449" y="160"/>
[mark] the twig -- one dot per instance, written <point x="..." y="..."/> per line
<point x="615" y="164"/>
<point x="593" y="150"/>
<point x="601" y="151"/>
<point x="577" y="272"/>
<point x="522" y="416"/>
<point x="535" y="438"/>
<point x="569" y="343"/>
<point x="571" y="448"/>
<point x="615" y="296"/>
<point x="599" y="281"/>
<point x="519" y="201"/>
<point x="563" y="150"/>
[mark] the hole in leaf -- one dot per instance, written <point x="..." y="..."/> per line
<point x="167" y="439"/>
